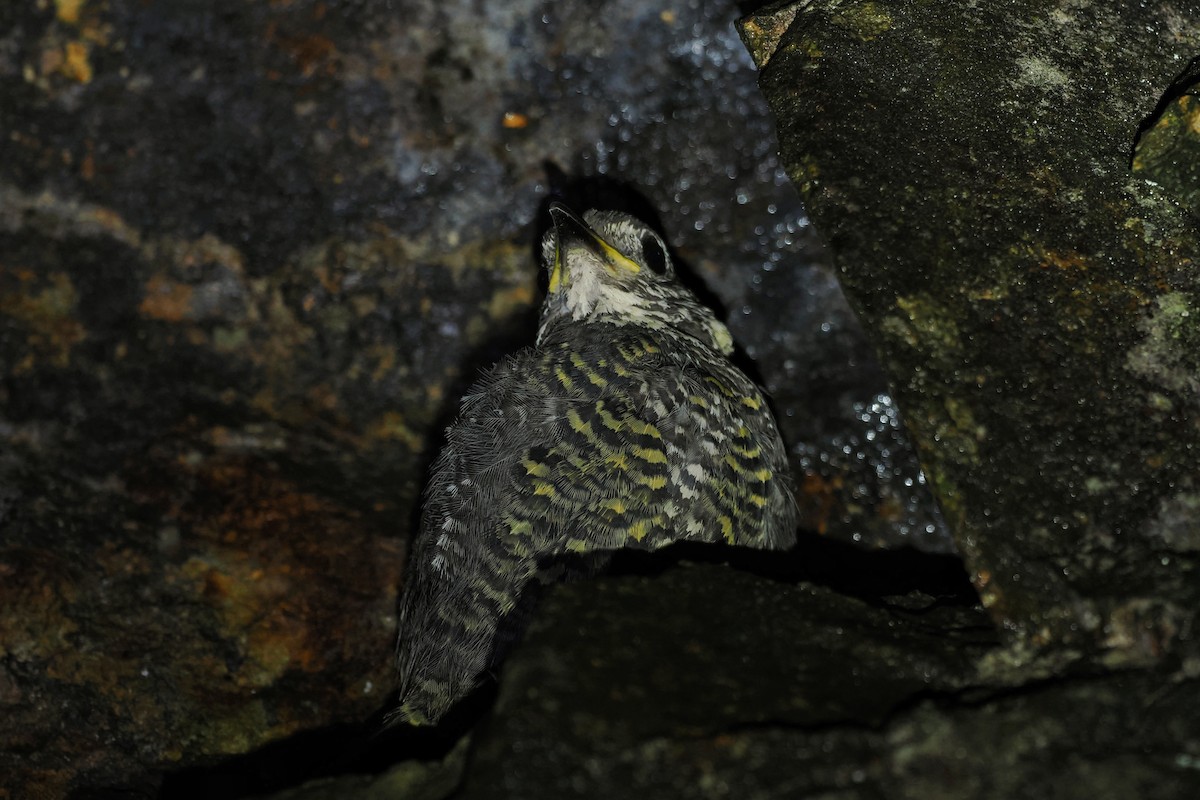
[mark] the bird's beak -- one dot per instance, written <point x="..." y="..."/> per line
<point x="572" y="234"/>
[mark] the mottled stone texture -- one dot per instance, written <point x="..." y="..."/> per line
<point x="1168" y="150"/>
<point x="1036" y="301"/>
<point x="709" y="682"/>
<point x="251" y="252"/>
<point x="665" y="677"/>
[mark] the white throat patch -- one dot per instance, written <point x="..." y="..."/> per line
<point x="587" y="292"/>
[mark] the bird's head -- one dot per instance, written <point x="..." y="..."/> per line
<point x="610" y="267"/>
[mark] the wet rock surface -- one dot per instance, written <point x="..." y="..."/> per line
<point x="249" y="256"/>
<point x="711" y="680"/>
<point x="1033" y="294"/>
<point x="1034" y="301"/>
<point x="639" y="681"/>
<point x="1168" y="149"/>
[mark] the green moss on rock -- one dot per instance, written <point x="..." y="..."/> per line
<point x="1034" y="300"/>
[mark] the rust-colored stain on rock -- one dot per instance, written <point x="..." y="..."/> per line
<point x="166" y="300"/>
<point x="45" y="309"/>
<point x="76" y="64"/>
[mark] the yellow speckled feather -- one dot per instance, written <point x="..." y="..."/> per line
<point x="626" y="426"/>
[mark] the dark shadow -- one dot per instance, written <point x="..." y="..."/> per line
<point x="365" y="748"/>
<point x="746" y="7"/>
<point x="1184" y="81"/>
<point x="298" y="758"/>
<point x="869" y="575"/>
<point x="371" y="746"/>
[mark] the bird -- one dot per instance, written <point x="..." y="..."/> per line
<point x="625" y="425"/>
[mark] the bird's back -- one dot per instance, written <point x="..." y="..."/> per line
<point x="586" y="444"/>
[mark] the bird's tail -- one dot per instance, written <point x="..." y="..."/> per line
<point x="449" y="620"/>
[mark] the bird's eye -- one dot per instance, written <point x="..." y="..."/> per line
<point x="654" y="254"/>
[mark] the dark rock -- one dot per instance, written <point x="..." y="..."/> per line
<point x="1036" y="303"/>
<point x="1121" y="735"/>
<point x="411" y="780"/>
<point x="250" y="254"/>
<point x="1168" y="149"/>
<point x="639" y="682"/>
<point x="707" y="682"/>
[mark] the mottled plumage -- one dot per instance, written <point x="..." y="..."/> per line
<point x="625" y="426"/>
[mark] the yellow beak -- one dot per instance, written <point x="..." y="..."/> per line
<point x="573" y="234"/>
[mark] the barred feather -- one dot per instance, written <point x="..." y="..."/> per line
<point x="625" y="426"/>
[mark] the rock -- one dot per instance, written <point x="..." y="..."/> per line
<point x="1068" y="738"/>
<point x="703" y="677"/>
<point x="1168" y="149"/>
<point x="708" y="682"/>
<point x="1036" y="302"/>
<point x="250" y="255"/>
<point x="411" y="780"/>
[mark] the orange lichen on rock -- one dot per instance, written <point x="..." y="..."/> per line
<point x="47" y="315"/>
<point x="253" y="605"/>
<point x="310" y="53"/>
<point x="391" y="426"/>
<point x="514" y="120"/>
<point x="511" y="300"/>
<point x="1068" y="260"/>
<point x="817" y="498"/>
<point x="166" y="300"/>
<point x="75" y="64"/>
<point x="261" y="559"/>
<point x="68" y="10"/>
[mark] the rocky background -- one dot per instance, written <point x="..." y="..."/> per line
<point x="252" y="252"/>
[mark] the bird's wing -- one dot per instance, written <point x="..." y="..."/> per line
<point x="651" y="449"/>
<point x="560" y="452"/>
<point x="602" y="483"/>
<point x="728" y="470"/>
